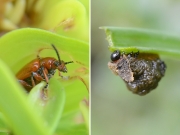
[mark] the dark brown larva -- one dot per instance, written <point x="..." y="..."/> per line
<point x="140" y="72"/>
<point x="122" y="68"/>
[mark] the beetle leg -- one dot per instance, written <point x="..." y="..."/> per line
<point x="63" y="77"/>
<point x="46" y="79"/>
<point x="25" y="84"/>
<point x="36" y="76"/>
<point x="39" y="78"/>
<point x="32" y="79"/>
<point x="45" y="75"/>
<point x="45" y="87"/>
<point x="43" y="69"/>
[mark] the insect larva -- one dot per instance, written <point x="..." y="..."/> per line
<point x="140" y="72"/>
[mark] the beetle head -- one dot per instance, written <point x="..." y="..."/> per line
<point x="61" y="66"/>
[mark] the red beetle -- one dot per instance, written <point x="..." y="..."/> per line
<point x="40" y="69"/>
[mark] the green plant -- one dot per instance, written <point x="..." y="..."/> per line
<point x="148" y="41"/>
<point x="65" y="111"/>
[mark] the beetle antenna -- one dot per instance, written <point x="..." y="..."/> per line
<point x="57" y="53"/>
<point x="68" y="62"/>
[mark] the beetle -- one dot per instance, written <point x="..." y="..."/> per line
<point x="41" y="69"/>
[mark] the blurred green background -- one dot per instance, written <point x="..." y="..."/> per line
<point x="115" y="110"/>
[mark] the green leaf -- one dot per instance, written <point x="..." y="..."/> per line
<point x="79" y="121"/>
<point x="72" y="117"/>
<point x="134" y="39"/>
<point x="28" y="41"/>
<point x="75" y="126"/>
<point x="50" y="107"/>
<point x="15" y="107"/>
<point x="4" y="128"/>
<point x="84" y="106"/>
